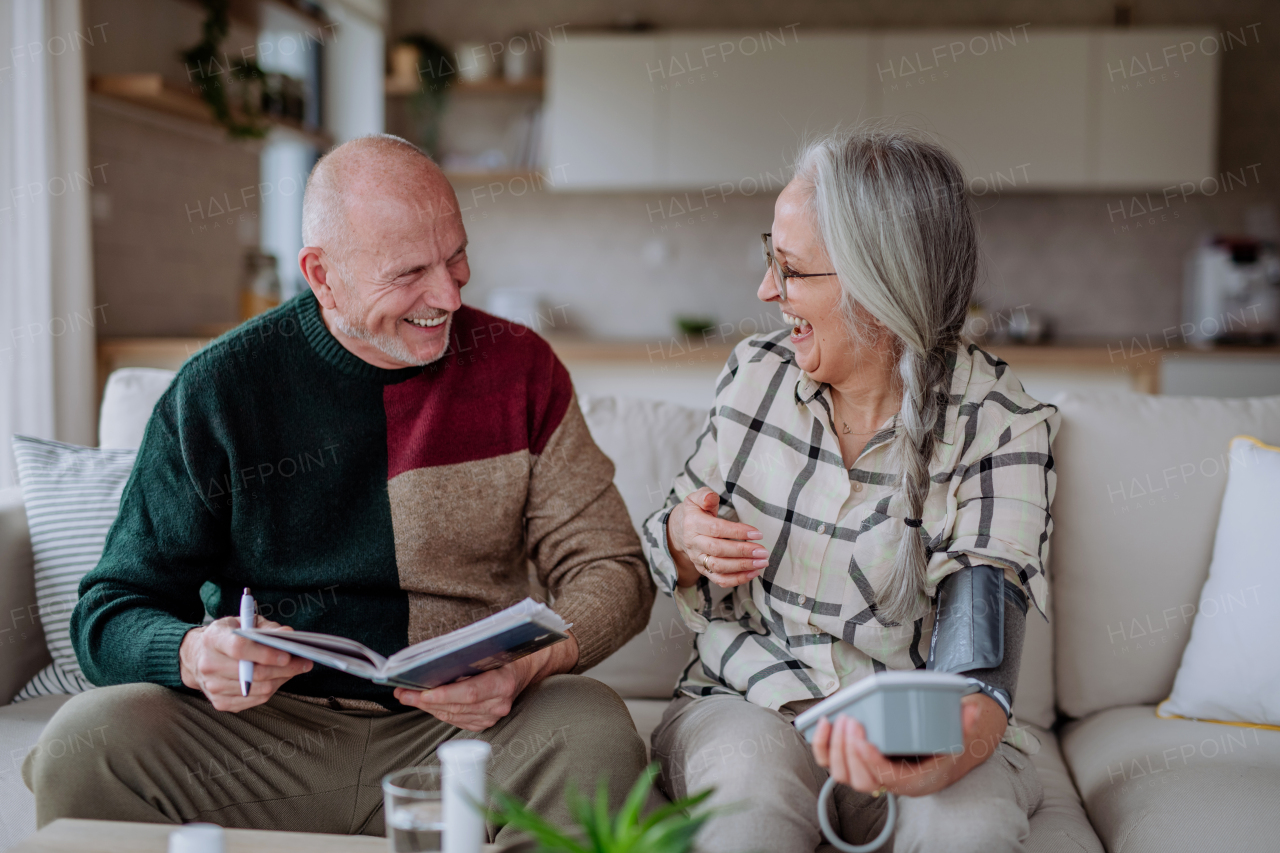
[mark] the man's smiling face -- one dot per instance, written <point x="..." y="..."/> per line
<point x="389" y="286"/>
<point x="403" y="282"/>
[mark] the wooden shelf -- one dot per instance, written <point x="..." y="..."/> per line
<point x="496" y="86"/>
<point x="153" y="92"/>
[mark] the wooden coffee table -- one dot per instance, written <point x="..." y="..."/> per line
<point x="109" y="836"/>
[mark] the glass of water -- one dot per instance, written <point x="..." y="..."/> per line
<point x="414" y="810"/>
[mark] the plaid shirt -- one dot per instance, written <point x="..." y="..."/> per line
<point x="806" y="627"/>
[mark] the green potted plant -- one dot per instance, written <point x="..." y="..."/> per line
<point x="669" y="829"/>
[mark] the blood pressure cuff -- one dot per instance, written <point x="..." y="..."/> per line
<point x="982" y="620"/>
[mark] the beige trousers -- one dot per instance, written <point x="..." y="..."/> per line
<point x="764" y="772"/>
<point x="147" y="753"/>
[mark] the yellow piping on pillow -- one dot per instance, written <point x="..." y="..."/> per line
<point x="1217" y="722"/>
<point x="1261" y="444"/>
<point x="1164" y="716"/>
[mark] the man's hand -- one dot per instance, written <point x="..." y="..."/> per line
<point x="845" y="750"/>
<point x="210" y="662"/>
<point x="702" y="543"/>
<point x="479" y="702"/>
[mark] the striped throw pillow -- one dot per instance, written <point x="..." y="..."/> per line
<point x="72" y="495"/>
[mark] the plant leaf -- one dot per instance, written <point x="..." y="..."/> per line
<point x="679" y="807"/>
<point x="512" y="812"/>
<point x="629" y="817"/>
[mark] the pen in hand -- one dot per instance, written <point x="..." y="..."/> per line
<point x="246" y="621"/>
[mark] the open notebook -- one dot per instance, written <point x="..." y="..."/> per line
<point x="496" y="640"/>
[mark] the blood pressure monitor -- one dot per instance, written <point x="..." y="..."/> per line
<point x="905" y="714"/>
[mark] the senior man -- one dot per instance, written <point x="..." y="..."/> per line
<point x="375" y="460"/>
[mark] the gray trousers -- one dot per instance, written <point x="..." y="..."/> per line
<point x="765" y="774"/>
<point x="148" y="753"/>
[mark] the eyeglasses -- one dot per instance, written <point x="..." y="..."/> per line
<point x="779" y="277"/>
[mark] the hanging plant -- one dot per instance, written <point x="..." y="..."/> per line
<point x="215" y="77"/>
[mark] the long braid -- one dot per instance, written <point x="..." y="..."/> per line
<point x="902" y="599"/>
<point x="899" y="229"/>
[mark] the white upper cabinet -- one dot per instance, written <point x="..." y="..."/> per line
<point x="604" y="113"/>
<point x="1022" y="108"/>
<point x="1157" y="95"/>
<point x="743" y="116"/>
<point x="1011" y="104"/>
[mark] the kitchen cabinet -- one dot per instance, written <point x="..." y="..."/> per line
<point x="1012" y="105"/>
<point x="1022" y="108"/>
<point x="741" y="119"/>
<point x="605" y="114"/>
<point x="1157" y="107"/>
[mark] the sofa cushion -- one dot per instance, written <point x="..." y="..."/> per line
<point x="127" y="401"/>
<point x="20" y="727"/>
<point x="649" y="442"/>
<point x="646" y="714"/>
<point x="1033" y="702"/>
<point x="1140" y="483"/>
<point x="1157" y="785"/>
<point x="1060" y="825"/>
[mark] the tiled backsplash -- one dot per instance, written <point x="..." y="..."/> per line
<point x="624" y="265"/>
<point x="170" y="223"/>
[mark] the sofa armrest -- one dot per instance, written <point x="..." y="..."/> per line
<point x="23" y="651"/>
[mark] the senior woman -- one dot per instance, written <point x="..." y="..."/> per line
<point x="852" y="468"/>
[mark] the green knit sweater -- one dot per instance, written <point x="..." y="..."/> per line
<point x="388" y="506"/>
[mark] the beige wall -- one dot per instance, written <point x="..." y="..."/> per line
<point x="1096" y="272"/>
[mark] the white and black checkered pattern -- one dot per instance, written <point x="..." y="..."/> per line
<point x="808" y="626"/>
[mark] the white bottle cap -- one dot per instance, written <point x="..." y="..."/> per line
<point x="465" y="754"/>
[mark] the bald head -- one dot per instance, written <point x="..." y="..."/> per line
<point x="363" y="175"/>
<point x="385" y="250"/>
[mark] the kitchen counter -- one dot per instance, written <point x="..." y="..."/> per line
<point x="1135" y="364"/>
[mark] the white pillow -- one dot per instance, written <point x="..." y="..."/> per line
<point x="1230" y="671"/>
<point x="127" y="401"/>
<point x="72" y="496"/>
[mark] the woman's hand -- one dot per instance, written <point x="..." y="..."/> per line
<point x="703" y="544"/>
<point x="843" y="748"/>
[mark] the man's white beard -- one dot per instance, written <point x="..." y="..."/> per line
<point x="390" y="345"/>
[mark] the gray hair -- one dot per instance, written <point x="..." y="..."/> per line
<point x="892" y="211"/>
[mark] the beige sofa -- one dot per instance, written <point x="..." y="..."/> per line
<point x="1140" y="483"/>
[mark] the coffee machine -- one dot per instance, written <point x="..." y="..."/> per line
<point x="1232" y="292"/>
